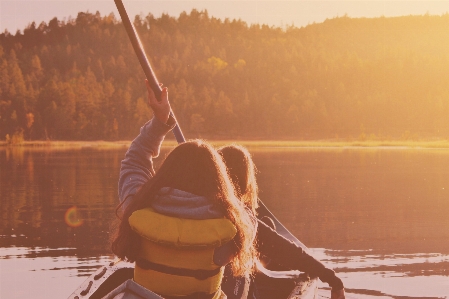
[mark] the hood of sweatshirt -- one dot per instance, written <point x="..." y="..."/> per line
<point x="181" y="204"/>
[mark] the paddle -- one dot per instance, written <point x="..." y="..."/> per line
<point x="145" y="64"/>
<point x="280" y="229"/>
<point x="290" y="274"/>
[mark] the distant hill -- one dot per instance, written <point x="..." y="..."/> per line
<point x="380" y="78"/>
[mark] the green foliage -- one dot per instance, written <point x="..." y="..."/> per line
<point x="80" y="80"/>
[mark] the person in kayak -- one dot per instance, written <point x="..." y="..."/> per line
<point x="275" y="250"/>
<point x="183" y="223"/>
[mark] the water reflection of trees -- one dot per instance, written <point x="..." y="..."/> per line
<point x="386" y="200"/>
<point x="37" y="188"/>
<point x="391" y="201"/>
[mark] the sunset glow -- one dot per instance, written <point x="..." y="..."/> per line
<point x="17" y="14"/>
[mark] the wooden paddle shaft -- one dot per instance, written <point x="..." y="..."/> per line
<point x="144" y="63"/>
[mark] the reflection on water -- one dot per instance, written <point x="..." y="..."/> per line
<point x="419" y="275"/>
<point x="382" y="214"/>
<point x="378" y="217"/>
<point x="384" y="200"/>
<point x="43" y="272"/>
<point x="39" y="187"/>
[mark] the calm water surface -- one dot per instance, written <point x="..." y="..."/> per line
<point x="379" y="217"/>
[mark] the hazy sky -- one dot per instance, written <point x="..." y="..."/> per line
<point x="17" y="14"/>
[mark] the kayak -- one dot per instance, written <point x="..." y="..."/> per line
<point x="115" y="281"/>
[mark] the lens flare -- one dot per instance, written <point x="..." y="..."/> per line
<point x="72" y="218"/>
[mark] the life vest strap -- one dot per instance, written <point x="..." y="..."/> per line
<point x="193" y="296"/>
<point x="198" y="273"/>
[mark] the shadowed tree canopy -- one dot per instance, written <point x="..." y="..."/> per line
<point x="353" y="78"/>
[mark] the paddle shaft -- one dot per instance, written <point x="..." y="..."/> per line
<point x="144" y="63"/>
<point x="280" y="228"/>
<point x="151" y="77"/>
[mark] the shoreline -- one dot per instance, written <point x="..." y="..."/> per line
<point x="425" y="144"/>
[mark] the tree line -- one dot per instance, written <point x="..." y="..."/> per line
<point x="79" y="79"/>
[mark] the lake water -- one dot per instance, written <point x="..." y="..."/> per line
<point x="379" y="217"/>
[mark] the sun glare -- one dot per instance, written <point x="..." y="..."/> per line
<point x="72" y="217"/>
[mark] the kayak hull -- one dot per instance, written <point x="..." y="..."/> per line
<point x="115" y="281"/>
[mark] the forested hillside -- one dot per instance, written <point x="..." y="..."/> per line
<point x="348" y="78"/>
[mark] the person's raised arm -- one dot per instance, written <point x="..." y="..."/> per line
<point x="137" y="167"/>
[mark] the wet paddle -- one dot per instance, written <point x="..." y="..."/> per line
<point x="291" y="274"/>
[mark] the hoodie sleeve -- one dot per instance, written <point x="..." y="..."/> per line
<point x="286" y="255"/>
<point x="137" y="167"/>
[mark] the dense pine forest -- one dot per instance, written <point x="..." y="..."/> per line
<point x="79" y="79"/>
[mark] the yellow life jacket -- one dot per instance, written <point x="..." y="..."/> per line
<point x="176" y="254"/>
